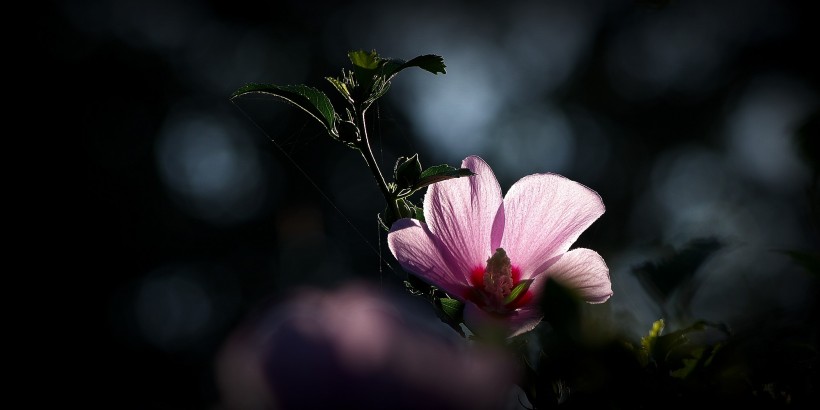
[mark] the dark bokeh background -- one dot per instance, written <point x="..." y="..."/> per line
<point x="190" y="210"/>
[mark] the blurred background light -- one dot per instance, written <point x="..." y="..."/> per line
<point x="211" y="169"/>
<point x="760" y="131"/>
<point x="172" y="310"/>
<point x="684" y="53"/>
<point x="545" y="132"/>
<point x="519" y="54"/>
<point x="177" y="308"/>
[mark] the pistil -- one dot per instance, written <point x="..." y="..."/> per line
<point x="498" y="281"/>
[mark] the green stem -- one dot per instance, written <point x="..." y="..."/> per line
<point x="367" y="153"/>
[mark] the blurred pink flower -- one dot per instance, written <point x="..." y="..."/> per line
<point x="478" y="246"/>
<point x="357" y="348"/>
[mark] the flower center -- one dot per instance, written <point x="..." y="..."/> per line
<point x="498" y="280"/>
<point x="497" y="288"/>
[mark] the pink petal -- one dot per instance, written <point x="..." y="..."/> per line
<point x="525" y="319"/>
<point x="420" y="253"/>
<point x="460" y="212"/>
<point x="521" y="321"/>
<point x="544" y="214"/>
<point x="584" y="271"/>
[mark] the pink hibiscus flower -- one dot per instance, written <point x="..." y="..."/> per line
<point x="478" y="247"/>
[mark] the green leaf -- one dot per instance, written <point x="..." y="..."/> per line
<point x="452" y="308"/>
<point x="407" y="171"/>
<point x="364" y="60"/>
<point x="648" y="342"/>
<point x="365" y="66"/>
<point x="341" y="86"/>
<point x="688" y="365"/>
<point x="373" y="73"/>
<point x="348" y="133"/>
<point x="309" y="99"/>
<point x="518" y="290"/>
<point x="440" y="173"/>
<point x="674" y="352"/>
<point x="696" y="359"/>
<point x="428" y="62"/>
<point x="406" y="210"/>
<point x="419" y="213"/>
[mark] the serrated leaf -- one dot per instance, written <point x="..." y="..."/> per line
<point x="309" y="99"/>
<point x="365" y="66"/>
<point x="440" y="173"/>
<point x="365" y="60"/>
<point x="429" y="62"/>
<point x="373" y="73"/>
<point x="518" y="290"/>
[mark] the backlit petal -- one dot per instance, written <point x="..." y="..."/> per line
<point x="544" y="214"/>
<point x="524" y="320"/>
<point x="584" y="271"/>
<point x="421" y="254"/>
<point x="521" y="321"/>
<point x="460" y="212"/>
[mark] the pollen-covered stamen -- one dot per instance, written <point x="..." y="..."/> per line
<point x="498" y="280"/>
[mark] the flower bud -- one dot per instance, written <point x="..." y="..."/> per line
<point x="407" y="171"/>
<point x="348" y="133"/>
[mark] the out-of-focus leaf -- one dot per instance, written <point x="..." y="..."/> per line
<point x="648" y="342"/>
<point x="688" y="365"/>
<point x="677" y="268"/>
<point x="562" y="309"/>
<point x="808" y="260"/>
<point x="675" y="353"/>
<point x="452" y="308"/>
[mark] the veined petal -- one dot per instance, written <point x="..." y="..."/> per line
<point x="544" y="214"/>
<point x="525" y="319"/>
<point x="584" y="271"/>
<point x="460" y="212"/>
<point x="521" y="321"/>
<point x="421" y="254"/>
